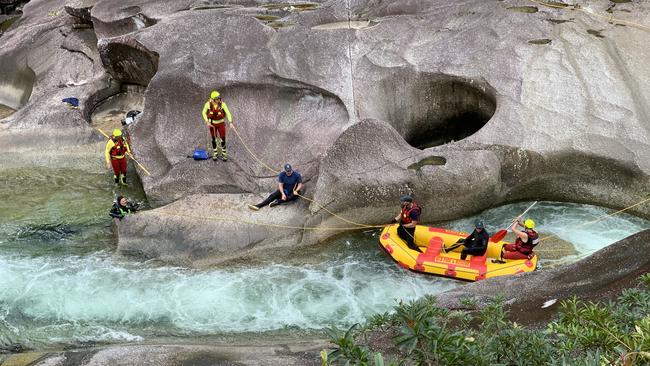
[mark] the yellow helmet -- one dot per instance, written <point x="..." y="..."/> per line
<point x="215" y="94"/>
<point x="117" y="132"/>
<point x="529" y="224"/>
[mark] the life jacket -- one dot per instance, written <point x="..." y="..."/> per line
<point x="119" y="149"/>
<point x="406" y="213"/>
<point x="527" y="247"/>
<point x="215" y="111"/>
<point x="123" y="211"/>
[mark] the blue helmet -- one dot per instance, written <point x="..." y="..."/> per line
<point x="406" y="198"/>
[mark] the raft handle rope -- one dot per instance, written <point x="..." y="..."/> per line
<point x="457" y="269"/>
<point x="601" y="218"/>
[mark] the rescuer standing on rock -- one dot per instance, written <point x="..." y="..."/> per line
<point x="215" y="111"/>
<point x="115" y="155"/>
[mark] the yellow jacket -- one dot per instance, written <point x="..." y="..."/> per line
<point x="109" y="146"/>
<point x="206" y="108"/>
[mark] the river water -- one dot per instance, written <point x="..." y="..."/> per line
<point x="61" y="285"/>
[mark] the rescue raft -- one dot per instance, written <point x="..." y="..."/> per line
<point x="436" y="261"/>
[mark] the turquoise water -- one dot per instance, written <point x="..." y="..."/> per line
<point x="61" y="285"/>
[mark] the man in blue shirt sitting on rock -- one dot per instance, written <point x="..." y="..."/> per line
<point x="289" y="185"/>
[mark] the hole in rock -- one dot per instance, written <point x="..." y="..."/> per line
<point x="431" y="160"/>
<point x="430" y="109"/>
<point x="524" y="9"/>
<point x="540" y="41"/>
<point x="354" y="24"/>
<point x="111" y="112"/>
<point x="294" y="8"/>
<point x="16" y="83"/>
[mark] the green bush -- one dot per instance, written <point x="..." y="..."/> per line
<point x="584" y="333"/>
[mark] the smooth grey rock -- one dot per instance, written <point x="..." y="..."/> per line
<point x="413" y="67"/>
<point x="518" y="120"/>
<point x="80" y="9"/>
<point x="298" y="353"/>
<point x="190" y="231"/>
<point x="44" y="61"/>
<point x="128" y="61"/>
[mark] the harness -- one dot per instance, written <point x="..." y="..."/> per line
<point x="216" y="114"/>
<point x="406" y="213"/>
<point x="118" y="150"/>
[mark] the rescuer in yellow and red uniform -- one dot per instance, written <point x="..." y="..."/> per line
<point x="527" y="239"/>
<point x="115" y="155"/>
<point x="215" y="111"/>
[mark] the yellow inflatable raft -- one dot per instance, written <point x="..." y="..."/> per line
<point x="436" y="261"/>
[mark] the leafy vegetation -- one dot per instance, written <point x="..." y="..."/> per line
<point x="584" y="333"/>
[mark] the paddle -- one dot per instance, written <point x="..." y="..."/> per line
<point x="499" y="235"/>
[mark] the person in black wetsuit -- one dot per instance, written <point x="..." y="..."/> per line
<point x="122" y="207"/>
<point x="476" y="243"/>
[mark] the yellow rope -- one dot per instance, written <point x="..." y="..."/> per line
<point x="241" y="220"/>
<point x="601" y="218"/>
<point x="609" y="18"/>
<point x="337" y="216"/>
<point x="252" y="154"/>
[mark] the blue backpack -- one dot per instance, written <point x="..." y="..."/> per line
<point x="200" y="154"/>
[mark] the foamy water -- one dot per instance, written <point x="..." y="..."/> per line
<point x="61" y="284"/>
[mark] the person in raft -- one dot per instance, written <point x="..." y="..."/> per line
<point x="289" y="185"/>
<point x="215" y="111"/>
<point x="475" y="244"/>
<point x="122" y="207"/>
<point x="408" y="219"/>
<point x="527" y="239"/>
<point x="115" y="156"/>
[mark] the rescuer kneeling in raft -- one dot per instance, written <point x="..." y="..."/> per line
<point x="408" y="219"/>
<point x="527" y="239"/>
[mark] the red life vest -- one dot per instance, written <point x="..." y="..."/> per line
<point x="406" y="213"/>
<point x="215" y="111"/>
<point x="119" y="149"/>
<point x="527" y="247"/>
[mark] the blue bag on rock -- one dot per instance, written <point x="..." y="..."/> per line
<point x="200" y="154"/>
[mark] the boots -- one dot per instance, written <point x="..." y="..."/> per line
<point x="224" y="154"/>
<point x="215" y="154"/>
<point x="117" y="180"/>
<point x="123" y="180"/>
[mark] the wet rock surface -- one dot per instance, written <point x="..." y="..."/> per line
<point x="296" y="353"/>
<point x="366" y="111"/>
<point x="176" y="232"/>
